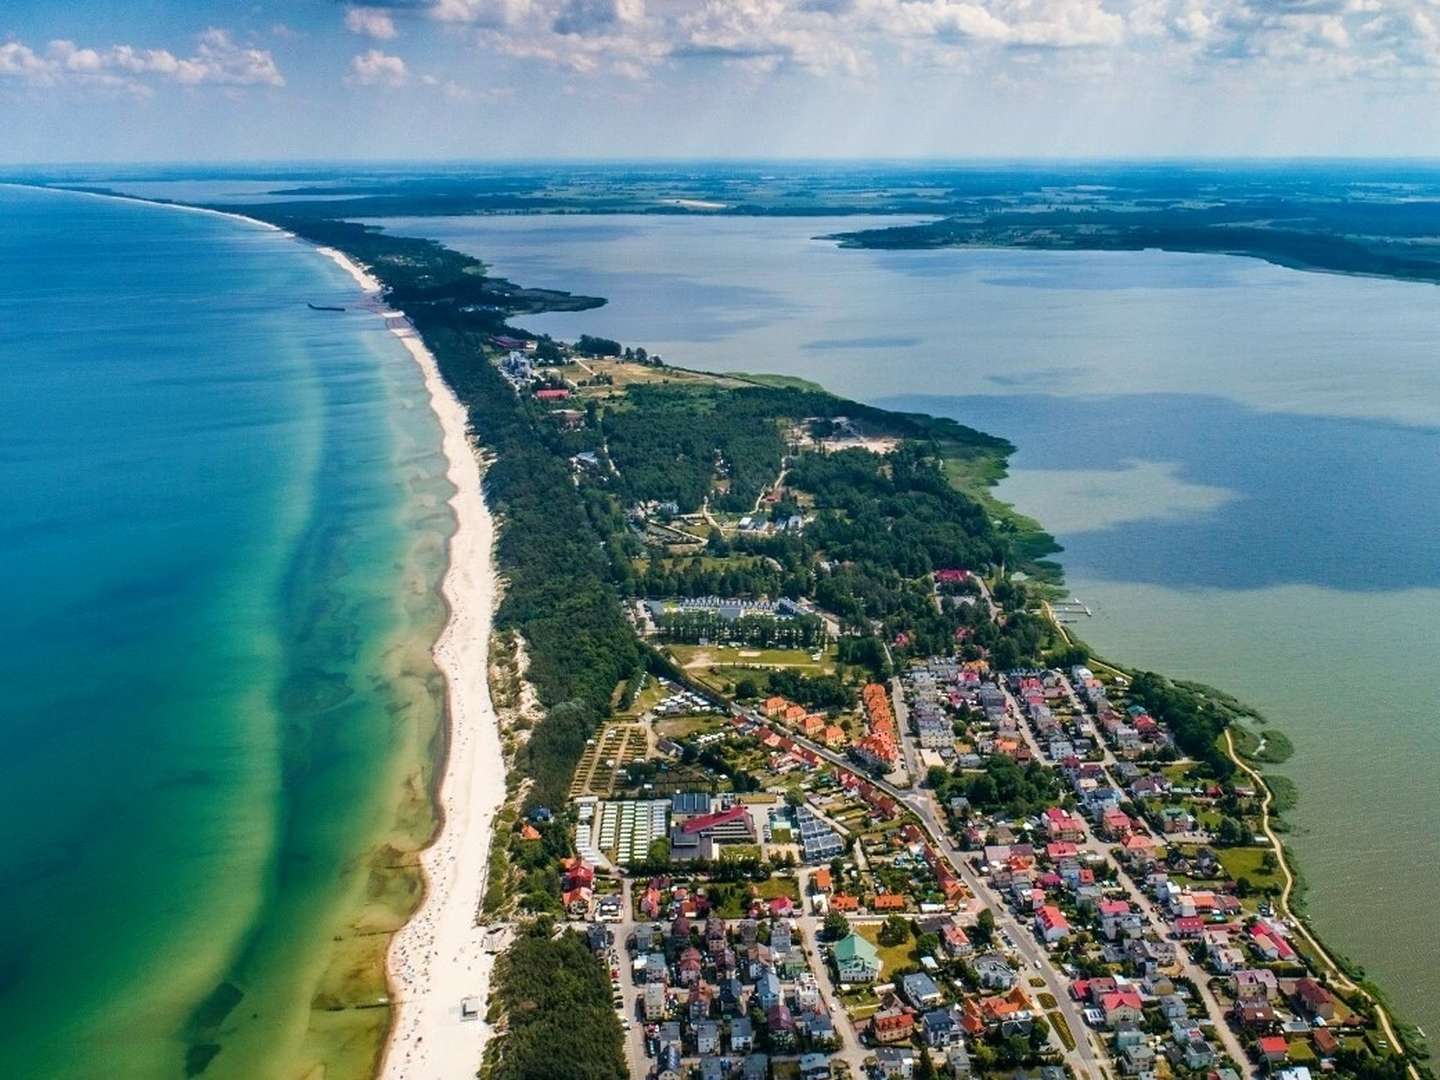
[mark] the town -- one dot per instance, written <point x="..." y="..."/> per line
<point x="806" y="842"/>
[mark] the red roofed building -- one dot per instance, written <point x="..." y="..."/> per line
<point x="1116" y="824"/>
<point x="733" y="824"/>
<point x="552" y="394"/>
<point x="578" y="873"/>
<point x="1051" y="923"/>
<point x="1274" y="1048"/>
<point x="1122" y="1007"/>
<point x="891" y="1027"/>
<point x="1063" y="825"/>
<point x="1189" y="926"/>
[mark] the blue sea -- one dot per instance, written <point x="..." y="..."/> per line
<point x="222" y="520"/>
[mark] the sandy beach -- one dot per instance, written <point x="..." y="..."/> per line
<point x="441" y="957"/>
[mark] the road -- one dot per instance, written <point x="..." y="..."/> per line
<point x="1188" y="968"/>
<point x="1087" y="1062"/>
<point x="902" y="726"/>
<point x="1337" y="977"/>
<point x="1156" y="917"/>
<point x="851" y="1051"/>
<point x="630" y="990"/>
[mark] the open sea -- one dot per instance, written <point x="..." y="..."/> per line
<point x="1242" y="462"/>
<point x="222" y="522"/>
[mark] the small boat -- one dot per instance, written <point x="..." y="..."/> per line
<point x="322" y="307"/>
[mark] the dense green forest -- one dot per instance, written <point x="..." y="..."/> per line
<point x="881" y="523"/>
<point x="1004" y="787"/>
<point x="556" y="998"/>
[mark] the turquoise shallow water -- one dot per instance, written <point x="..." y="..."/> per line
<point x="1242" y="461"/>
<point x="221" y="521"/>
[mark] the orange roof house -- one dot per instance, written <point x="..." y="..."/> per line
<point x="889" y="1027"/>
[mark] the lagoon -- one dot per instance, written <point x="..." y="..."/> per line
<point x="1242" y="462"/>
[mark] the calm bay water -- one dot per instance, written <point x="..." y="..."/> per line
<point x="221" y="521"/>
<point x="1243" y="463"/>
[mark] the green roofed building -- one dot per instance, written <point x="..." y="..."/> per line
<point x="856" y="960"/>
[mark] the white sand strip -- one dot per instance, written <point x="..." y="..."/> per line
<point x="440" y="957"/>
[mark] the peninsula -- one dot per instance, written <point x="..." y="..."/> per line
<point x="802" y="760"/>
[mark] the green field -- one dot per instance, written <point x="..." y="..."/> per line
<point x="1245" y="862"/>
<point x="700" y="657"/>
<point x="892" y="957"/>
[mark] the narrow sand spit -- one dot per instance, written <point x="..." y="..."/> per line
<point x="440" y="957"/>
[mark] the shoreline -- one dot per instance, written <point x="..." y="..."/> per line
<point x="1334" y="969"/>
<point x="441" y="956"/>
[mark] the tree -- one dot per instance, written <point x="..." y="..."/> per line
<point x="746" y="689"/>
<point x="895" y="931"/>
<point x="984" y="929"/>
<point x="836" y="926"/>
<point x="1231" y="832"/>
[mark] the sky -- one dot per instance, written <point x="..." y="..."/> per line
<point x="225" y="80"/>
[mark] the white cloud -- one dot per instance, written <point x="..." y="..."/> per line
<point x="217" y="60"/>
<point x="19" y="61"/>
<point x="375" y="68"/>
<point x="370" y="22"/>
<point x="492" y="13"/>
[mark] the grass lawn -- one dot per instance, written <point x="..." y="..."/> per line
<point x="1245" y="862"/>
<point x="739" y="852"/>
<point x="892" y="957"/>
<point x="732" y="662"/>
<point x="860" y="1003"/>
<point x="776" y="887"/>
<point x="649" y="696"/>
<point x="681" y="727"/>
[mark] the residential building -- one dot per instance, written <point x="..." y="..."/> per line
<point x="856" y="960"/>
